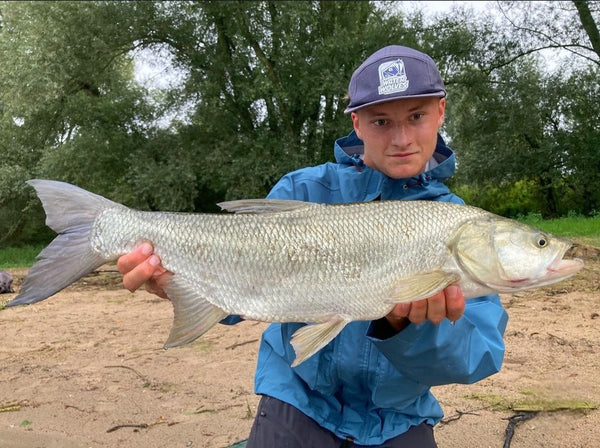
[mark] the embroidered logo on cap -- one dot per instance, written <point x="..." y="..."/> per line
<point x="392" y="77"/>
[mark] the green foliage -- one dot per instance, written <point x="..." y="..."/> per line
<point x="262" y="92"/>
<point x="505" y="199"/>
<point x="515" y="121"/>
<point x="68" y="107"/>
<point x="19" y="257"/>
<point x="273" y="78"/>
<point x="526" y="128"/>
<point x="534" y="401"/>
<point x="580" y="228"/>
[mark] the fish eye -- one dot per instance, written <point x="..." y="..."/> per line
<point x="542" y="241"/>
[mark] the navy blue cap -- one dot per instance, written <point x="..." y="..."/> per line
<point x="393" y="73"/>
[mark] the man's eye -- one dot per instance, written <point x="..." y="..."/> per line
<point x="380" y="122"/>
<point x="416" y="117"/>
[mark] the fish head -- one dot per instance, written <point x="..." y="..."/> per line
<point x="508" y="256"/>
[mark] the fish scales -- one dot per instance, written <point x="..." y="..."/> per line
<point x="291" y="261"/>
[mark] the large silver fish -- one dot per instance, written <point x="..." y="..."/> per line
<point x="291" y="261"/>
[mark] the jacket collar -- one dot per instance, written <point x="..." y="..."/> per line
<point x="348" y="152"/>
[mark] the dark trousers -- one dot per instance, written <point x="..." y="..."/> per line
<point x="280" y="425"/>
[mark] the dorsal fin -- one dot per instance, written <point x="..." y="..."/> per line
<point x="263" y="205"/>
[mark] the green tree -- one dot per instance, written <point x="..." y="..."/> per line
<point x="513" y="120"/>
<point x="575" y="133"/>
<point x="271" y="78"/>
<point x="69" y="108"/>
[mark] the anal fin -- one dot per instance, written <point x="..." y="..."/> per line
<point x="193" y="314"/>
<point x="310" y="339"/>
<point x="422" y="286"/>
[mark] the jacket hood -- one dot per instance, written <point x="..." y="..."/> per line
<point x="350" y="180"/>
<point x="349" y="150"/>
<point x="360" y="182"/>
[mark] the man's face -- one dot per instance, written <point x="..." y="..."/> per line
<point x="400" y="136"/>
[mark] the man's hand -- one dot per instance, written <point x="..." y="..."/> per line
<point x="140" y="267"/>
<point x="449" y="303"/>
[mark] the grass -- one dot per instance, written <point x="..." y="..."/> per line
<point x="533" y="401"/>
<point x="578" y="228"/>
<point x="18" y="257"/>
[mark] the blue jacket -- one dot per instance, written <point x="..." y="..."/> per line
<point x="369" y="383"/>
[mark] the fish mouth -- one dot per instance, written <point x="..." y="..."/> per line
<point x="565" y="267"/>
<point x="562" y="267"/>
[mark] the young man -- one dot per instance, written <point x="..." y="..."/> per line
<point x="371" y="385"/>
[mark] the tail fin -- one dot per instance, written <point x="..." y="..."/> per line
<point x="70" y="212"/>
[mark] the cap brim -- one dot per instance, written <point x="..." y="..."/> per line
<point x="439" y="94"/>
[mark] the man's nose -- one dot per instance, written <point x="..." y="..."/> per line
<point x="401" y="136"/>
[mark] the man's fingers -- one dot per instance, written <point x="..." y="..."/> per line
<point x="140" y="267"/>
<point x="401" y="310"/>
<point x="130" y="261"/>
<point x="455" y="303"/>
<point x="141" y="273"/>
<point x="449" y="303"/>
<point x="436" y="308"/>
<point x="418" y="311"/>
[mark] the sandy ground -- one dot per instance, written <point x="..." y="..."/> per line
<point x="86" y="369"/>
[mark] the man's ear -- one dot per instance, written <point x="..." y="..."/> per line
<point x="355" y="124"/>
<point x="442" y="111"/>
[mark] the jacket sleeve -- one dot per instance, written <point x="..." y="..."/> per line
<point x="464" y="352"/>
<point x="288" y="187"/>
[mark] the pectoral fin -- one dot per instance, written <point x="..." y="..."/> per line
<point x="310" y="339"/>
<point x="193" y="314"/>
<point x="422" y="286"/>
